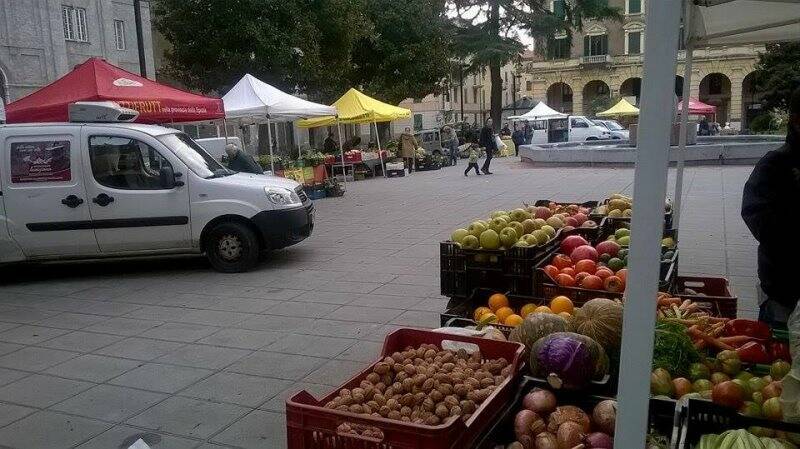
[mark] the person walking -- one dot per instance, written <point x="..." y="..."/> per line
<point x="489" y="144"/>
<point x="473" y="161"/>
<point x="450" y="141"/>
<point x="240" y="161"/>
<point x="518" y="137"/>
<point x="527" y="130"/>
<point x="408" y="148"/>
<point x="767" y="206"/>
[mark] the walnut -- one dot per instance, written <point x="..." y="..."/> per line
<point x="373" y="405"/>
<point x="380" y="386"/>
<point x="397" y="387"/>
<point x="346" y="400"/>
<point x="405" y="411"/>
<point x="344" y="392"/>
<point x="462" y="354"/>
<point x="460" y="389"/>
<point x="355" y="408"/>
<point x="428" y="385"/>
<point x="419" y="397"/>
<point x="389" y="393"/>
<point x="450" y="401"/>
<point x="394" y="414"/>
<point x="331" y="404"/>
<point x="408" y="384"/>
<point x="445" y="389"/>
<point x="476" y="357"/>
<point x="373" y="378"/>
<point x="442" y="411"/>
<point x="401" y="376"/>
<point x="455" y="410"/>
<point x="343" y="408"/>
<point x="405" y="419"/>
<point x="358" y="398"/>
<point x="389" y="361"/>
<point x="384" y="411"/>
<point x="393" y="404"/>
<point x="429" y="354"/>
<point x="379" y="399"/>
<point x="486" y="381"/>
<point x="381" y="368"/>
<point x="432" y="420"/>
<point x="448" y="366"/>
<point x="367" y="410"/>
<point x="407" y="399"/>
<point x="397" y="357"/>
<point x="467" y="406"/>
<point x="448" y="357"/>
<point x="410" y="369"/>
<point x="436" y="395"/>
<point x="387" y="379"/>
<point x="428" y="404"/>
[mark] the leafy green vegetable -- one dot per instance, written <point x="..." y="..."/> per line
<point x="673" y="350"/>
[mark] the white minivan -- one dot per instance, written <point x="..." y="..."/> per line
<point x="92" y="190"/>
<point x="575" y="128"/>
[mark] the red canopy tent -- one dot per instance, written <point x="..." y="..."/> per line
<point x="698" y="108"/>
<point x="97" y="80"/>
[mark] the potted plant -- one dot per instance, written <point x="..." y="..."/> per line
<point x="266" y="162"/>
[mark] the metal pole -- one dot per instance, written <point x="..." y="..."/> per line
<point x="137" y="17"/>
<point x="684" y="131"/>
<point x="380" y="153"/>
<point x="269" y="142"/>
<point x="341" y="150"/>
<point x="461" y="88"/>
<point x="225" y="129"/>
<point x="650" y="187"/>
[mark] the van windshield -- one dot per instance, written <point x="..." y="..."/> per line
<point x="194" y="156"/>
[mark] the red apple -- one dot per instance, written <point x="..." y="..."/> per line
<point x="571" y="221"/>
<point x="571" y="242"/>
<point x="580" y="217"/>
<point x="543" y="213"/>
<point x="608" y="247"/>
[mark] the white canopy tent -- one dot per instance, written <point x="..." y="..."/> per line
<point x="540" y="112"/>
<point x="713" y="22"/>
<point x="257" y="100"/>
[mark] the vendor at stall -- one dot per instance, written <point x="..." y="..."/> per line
<point x="351" y="143"/>
<point x="240" y="161"/>
<point x="767" y="207"/>
<point x="330" y="145"/>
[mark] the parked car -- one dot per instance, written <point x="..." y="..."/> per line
<point x="98" y="189"/>
<point x="576" y="127"/>
<point x="617" y="131"/>
<point x="430" y="140"/>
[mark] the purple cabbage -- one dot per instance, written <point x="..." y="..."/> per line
<point x="565" y="361"/>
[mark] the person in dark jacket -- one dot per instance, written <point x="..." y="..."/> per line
<point x="518" y="137"/>
<point x="329" y="146"/>
<point x="486" y="140"/>
<point x="240" y="161"/>
<point x="769" y="205"/>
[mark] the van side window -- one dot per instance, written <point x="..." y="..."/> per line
<point x="578" y="123"/>
<point x="125" y="163"/>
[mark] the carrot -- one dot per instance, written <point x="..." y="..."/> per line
<point x="736" y="340"/>
<point x="711" y="340"/>
<point x="685" y="304"/>
<point x="700" y="344"/>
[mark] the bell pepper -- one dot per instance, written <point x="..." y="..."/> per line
<point x="753" y="352"/>
<point x="779" y="350"/>
<point x="751" y="328"/>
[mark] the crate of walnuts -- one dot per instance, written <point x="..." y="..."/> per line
<point x="428" y="390"/>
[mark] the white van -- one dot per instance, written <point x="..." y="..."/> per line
<point x="578" y="128"/>
<point x="91" y="190"/>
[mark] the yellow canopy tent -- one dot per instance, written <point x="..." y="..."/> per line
<point x="353" y="108"/>
<point x="621" y="109"/>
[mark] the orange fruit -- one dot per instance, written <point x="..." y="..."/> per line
<point x="513" y="320"/>
<point x="498" y="301"/>
<point x="503" y="313"/>
<point x="562" y="304"/>
<point x="480" y="312"/>
<point x="527" y="309"/>
<point x="543" y="309"/>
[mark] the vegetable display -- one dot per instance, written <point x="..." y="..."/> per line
<point x="568" y="360"/>
<point x="601" y="320"/>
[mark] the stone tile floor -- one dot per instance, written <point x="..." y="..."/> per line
<point x="96" y="355"/>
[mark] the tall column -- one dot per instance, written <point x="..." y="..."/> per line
<point x="735" y="109"/>
<point x="577" y="99"/>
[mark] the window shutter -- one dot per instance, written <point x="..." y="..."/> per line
<point x="587" y="46"/>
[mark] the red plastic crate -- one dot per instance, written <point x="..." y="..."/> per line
<point x="713" y="290"/>
<point x="309" y="425"/>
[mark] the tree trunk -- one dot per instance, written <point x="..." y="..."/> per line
<point x="496" y="79"/>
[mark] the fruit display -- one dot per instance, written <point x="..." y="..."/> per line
<point x="620" y="206"/>
<point x="425" y="385"/>
<point x="504" y="230"/>
<point x="542" y="423"/>
<point x="579" y="264"/>
<point x="622" y="236"/>
<point x="498" y="310"/>
<point x="572" y="215"/>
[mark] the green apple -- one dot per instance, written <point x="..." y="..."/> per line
<point x="627" y="213"/>
<point x="521" y="244"/>
<point x="616" y="213"/>
<point x="498" y="213"/>
<point x="519" y="215"/>
<point x="622" y="232"/>
<point x="528" y="226"/>
<point x="555" y="222"/>
<point x="484" y="223"/>
<point x="517" y="227"/>
<point x="508" y="237"/>
<point x="458" y="235"/>
<point x="530" y="239"/>
<point x="624" y="241"/>
<point x="539" y="222"/>
<point x="470" y="242"/>
<point x="669" y="242"/>
<point x="541" y="236"/>
<point x="506" y="218"/>
<point x="551" y="231"/>
<point x="611" y="238"/>
<point x="476" y="228"/>
<point x="490" y="239"/>
<point x="498" y="224"/>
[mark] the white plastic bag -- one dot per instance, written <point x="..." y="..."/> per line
<point x="790" y="397"/>
<point x="499" y="142"/>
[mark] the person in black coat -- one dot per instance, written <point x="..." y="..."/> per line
<point x="239" y="161"/>
<point x="486" y="140"/>
<point x="770" y="208"/>
<point x="518" y="137"/>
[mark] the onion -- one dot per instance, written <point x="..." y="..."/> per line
<point x="604" y="416"/>
<point x="523" y="421"/>
<point x="568" y="413"/>
<point x="546" y="441"/>
<point x="540" y="401"/>
<point x="599" y="440"/>
<point x="516" y="445"/>
<point x="570" y="434"/>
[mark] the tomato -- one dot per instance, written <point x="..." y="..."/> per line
<point x="569" y="270"/>
<point x="565" y="280"/>
<point x="603" y="273"/>
<point x="586" y="265"/>
<point x="551" y="271"/>
<point x="592" y="282"/>
<point x="562" y="261"/>
<point x="623" y="274"/>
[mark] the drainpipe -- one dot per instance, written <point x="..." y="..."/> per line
<point x="137" y="13"/>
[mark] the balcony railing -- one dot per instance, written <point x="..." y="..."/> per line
<point x="596" y="59"/>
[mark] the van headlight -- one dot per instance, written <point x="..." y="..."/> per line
<point x="282" y="197"/>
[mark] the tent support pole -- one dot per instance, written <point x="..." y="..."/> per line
<point x="225" y="129"/>
<point x="380" y="153"/>
<point x="649" y="190"/>
<point x="269" y="142"/>
<point x="684" y="131"/>
<point x="341" y="151"/>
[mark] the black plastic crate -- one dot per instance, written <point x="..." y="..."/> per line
<point x="661" y="418"/>
<point x="704" y="417"/>
<point x="460" y="311"/>
<point x="600" y="217"/>
<point x="712" y="290"/>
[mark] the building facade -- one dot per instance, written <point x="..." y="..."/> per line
<point x="42" y="40"/>
<point x="604" y="62"/>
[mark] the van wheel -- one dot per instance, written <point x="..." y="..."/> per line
<point x="589" y="139"/>
<point x="232" y="248"/>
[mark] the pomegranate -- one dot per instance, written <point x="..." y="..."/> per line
<point x="614" y="284"/>
<point x="608" y="247"/>
<point x="584" y="252"/>
<point x="571" y="242"/>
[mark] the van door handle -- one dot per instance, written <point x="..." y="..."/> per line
<point x="103" y="200"/>
<point x="72" y="201"/>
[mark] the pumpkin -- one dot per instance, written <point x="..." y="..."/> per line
<point x="536" y="326"/>
<point x="601" y="320"/>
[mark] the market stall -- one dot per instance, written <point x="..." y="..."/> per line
<point x="356" y="108"/>
<point x="621" y="109"/>
<point x="97" y="80"/>
<point x="697" y="107"/>
<point x="540" y="112"/>
<point x="256" y="100"/>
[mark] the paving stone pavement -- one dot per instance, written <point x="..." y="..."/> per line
<point x="95" y="355"/>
